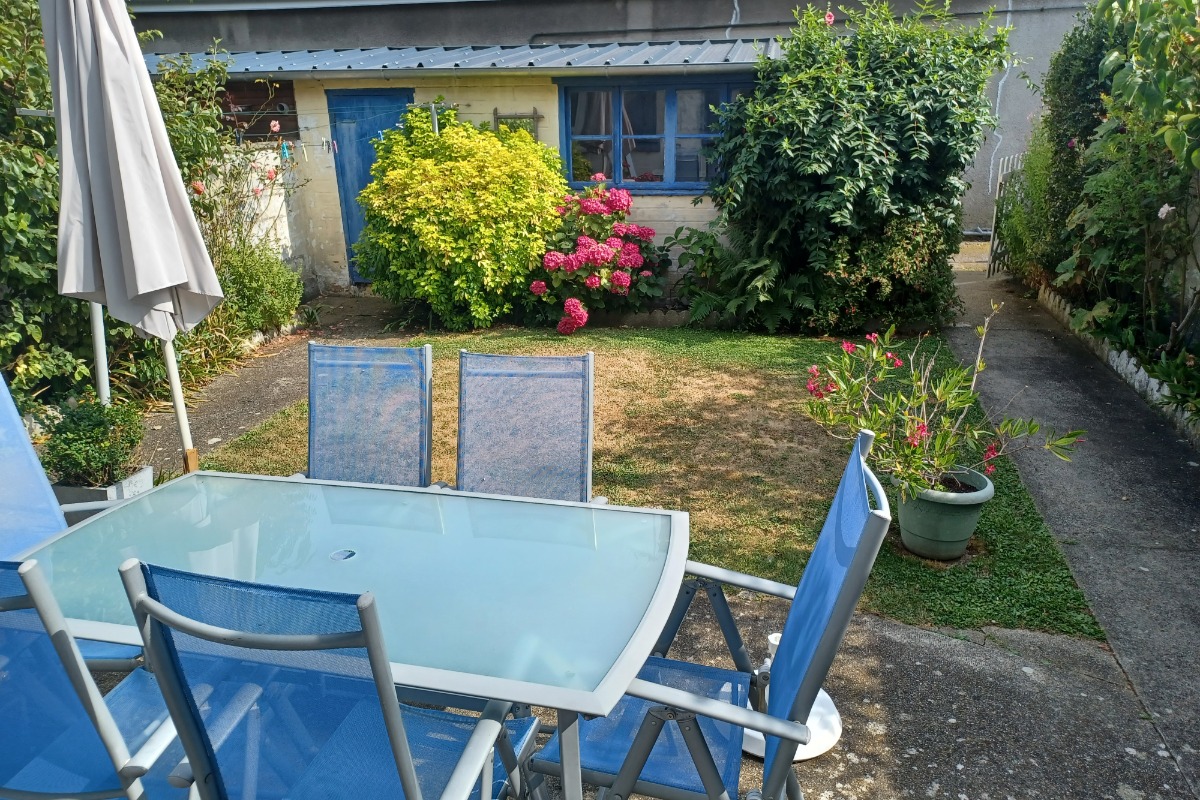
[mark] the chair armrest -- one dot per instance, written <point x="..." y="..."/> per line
<point x="230" y="716"/>
<point x="741" y="580"/>
<point x="716" y="709"/>
<point x="94" y="505"/>
<point x="153" y="748"/>
<point x="478" y="753"/>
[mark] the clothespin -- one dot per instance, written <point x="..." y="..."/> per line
<point x="334" y="142"/>
<point x="284" y="151"/>
<point x="304" y="150"/>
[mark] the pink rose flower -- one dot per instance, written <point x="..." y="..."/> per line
<point x="198" y="187"/>
<point x="257" y="191"/>
<point x="271" y="174"/>
<point x="829" y="18"/>
<point x="538" y="288"/>
<point x="593" y="281"/>
<point x="274" y="126"/>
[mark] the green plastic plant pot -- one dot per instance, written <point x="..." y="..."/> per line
<point x="938" y="525"/>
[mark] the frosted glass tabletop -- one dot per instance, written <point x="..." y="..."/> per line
<point x="542" y="602"/>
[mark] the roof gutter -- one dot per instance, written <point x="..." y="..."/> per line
<point x="351" y="73"/>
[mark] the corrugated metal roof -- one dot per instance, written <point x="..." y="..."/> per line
<point x="711" y="55"/>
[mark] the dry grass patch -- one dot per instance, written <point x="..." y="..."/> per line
<point x="713" y="424"/>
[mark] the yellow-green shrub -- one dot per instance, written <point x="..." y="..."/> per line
<point x="457" y="219"/>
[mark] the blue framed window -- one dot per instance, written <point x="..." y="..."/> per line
<point x="646" y="135"/>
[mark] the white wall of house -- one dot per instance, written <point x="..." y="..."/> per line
<point x="315" y="238"/>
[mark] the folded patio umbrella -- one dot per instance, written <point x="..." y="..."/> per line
<point x="126" y="234"/>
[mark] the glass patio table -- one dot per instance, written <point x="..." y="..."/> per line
<point x="549" y="603"/>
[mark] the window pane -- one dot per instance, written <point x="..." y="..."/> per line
<point x="693" y="114"/>
<point x="589" y="156"/>
<point x="645" y="112"/>
<point x="591" y="113"/>
<point x="643" y="159"/>
<point x="690" y="162"/>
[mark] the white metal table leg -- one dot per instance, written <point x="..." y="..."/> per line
<point x="568" y="738"/>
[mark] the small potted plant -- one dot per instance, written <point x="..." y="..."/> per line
<point x="925" y="427"/>
<point x="90" y="454"/>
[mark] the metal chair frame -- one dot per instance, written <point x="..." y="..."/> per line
<point x="426" y="444"/>
<point x="681" y="708"/>
<point x="152" y="617"/>
<point x="128" y="769"/>
<point x="588" y="410"/>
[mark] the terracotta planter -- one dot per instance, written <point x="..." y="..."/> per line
<point x="938" y="524"/>
<point x="135" y="484"/>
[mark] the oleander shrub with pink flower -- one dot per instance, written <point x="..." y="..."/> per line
<point x="596" y="260"/>
<point x="925" y="415"/>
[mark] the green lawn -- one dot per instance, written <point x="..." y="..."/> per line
<point x="713" y="424"/>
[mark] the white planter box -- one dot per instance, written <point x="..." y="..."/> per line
<point x="135" y="484"/>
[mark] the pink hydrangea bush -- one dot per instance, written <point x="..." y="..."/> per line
<point x="596" y="260"/>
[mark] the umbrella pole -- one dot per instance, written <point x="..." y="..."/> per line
<point x="100" y="353"/>
<point x="191" y="459"/>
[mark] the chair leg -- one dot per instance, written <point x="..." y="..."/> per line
<point x="639" y="753"/>
<point x="729" y="628"/>
<point x="710" y="776"/>
<point x="675" y="620"/>
<point x="794" y="792"/>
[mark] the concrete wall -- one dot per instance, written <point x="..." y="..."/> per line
<point x="1037" y="33"/>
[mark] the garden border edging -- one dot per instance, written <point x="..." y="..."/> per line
<point x="1124" y="364"/>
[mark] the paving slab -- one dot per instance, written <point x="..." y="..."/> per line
<point x="1126" y="511"/>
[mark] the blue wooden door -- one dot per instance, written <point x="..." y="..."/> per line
<point x="356" y="117"/>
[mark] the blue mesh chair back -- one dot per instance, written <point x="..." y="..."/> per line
<point x="29" y="512"/>
<point x="48" y="741"/>
<point x="525" y="425"/>
<point x="370" y="413"/>
<point x="274" y="723"/>
<point x="829" y="589"/>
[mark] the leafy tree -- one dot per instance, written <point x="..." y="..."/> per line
<point x="40" y="331"/>
<point x="852" y="144"/>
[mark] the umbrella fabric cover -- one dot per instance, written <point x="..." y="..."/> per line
<point x="126" y="235"/>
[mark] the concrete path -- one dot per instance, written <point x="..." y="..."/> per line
<point x="1126" y="511"/>
<point x="964" y="715"/>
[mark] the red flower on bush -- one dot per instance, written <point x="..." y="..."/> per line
<point x="538" y="288"/>
<point x="198" y="187"/>
<point x="593" y="281"/>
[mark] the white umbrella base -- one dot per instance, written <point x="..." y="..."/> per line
<point x="824" y="723"/>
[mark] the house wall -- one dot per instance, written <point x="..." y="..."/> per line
<point x="315" y="240"/>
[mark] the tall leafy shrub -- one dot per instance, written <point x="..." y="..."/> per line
<point x="40" y="331"/>
<point x="458" y="218"/>
<point x="1033" y="220"/>
<point x="853" y="143"/>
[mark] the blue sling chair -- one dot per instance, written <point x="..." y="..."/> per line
<point x="302" y="705"/>
<point x="30" y="515"/>
<point x="58" y="737"/>
<point x="370" y="414"/>
<point x="678" y="732"/>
